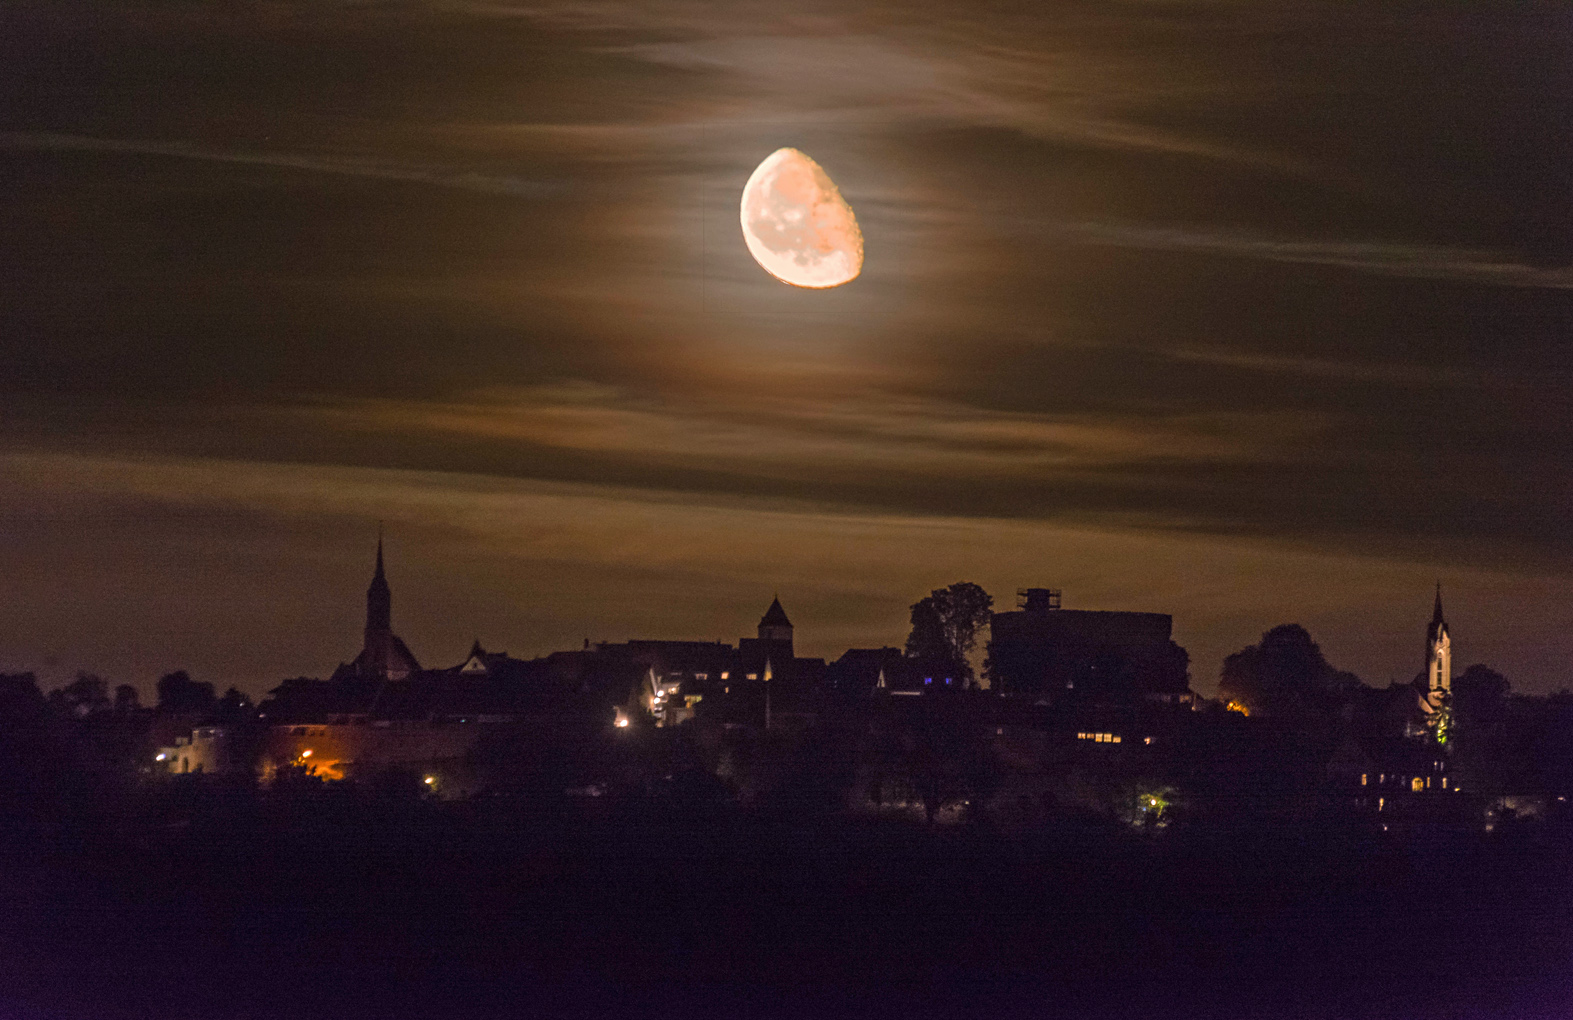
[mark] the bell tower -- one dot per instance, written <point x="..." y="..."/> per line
<point x="774" y="625"/>
<point x="1439" y="651"/>
<point x="379" y="600"/>
<point x="383" y="656"/>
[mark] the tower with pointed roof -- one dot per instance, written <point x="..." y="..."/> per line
<point x="773" y="645"/>
<point x="383" y="656"/>
<point x="1434" y="695"/>
<point x="774" y="625"/>
<point x="1439" y="652"/>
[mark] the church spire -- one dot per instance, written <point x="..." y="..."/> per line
<point x="1439" y="649"/>
<point x="384" y="656"/>
<point x="379" y="599"/>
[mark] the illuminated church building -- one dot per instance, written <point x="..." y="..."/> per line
<point x="1434" y="697"/>
<point x="1439" y="655"/>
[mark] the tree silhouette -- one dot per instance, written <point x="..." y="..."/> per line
<point x="177" y="692"/>
<point x="127" y="700"/>
<point x="945" y="627"/>
<point x="84" y="696"/>
<point x="1284" y="674"/>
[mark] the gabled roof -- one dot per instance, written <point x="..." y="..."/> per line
<point x="775" y="616"/>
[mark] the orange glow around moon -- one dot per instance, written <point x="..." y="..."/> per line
<point x="797" y="225"/>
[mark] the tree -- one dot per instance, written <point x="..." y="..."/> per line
<point x="1284" y="674"/>
<point x="127" y="701"/>
<point x="30" y="772"/>
<point x="1482" y="752"/>
<point x="177" y="692"/>
<point x="927" y="639"/>
<point x="943" y="756"/>
<point x="945" y="626"/>
<point x="84" y="696"/>
<point x="235" y="706"/>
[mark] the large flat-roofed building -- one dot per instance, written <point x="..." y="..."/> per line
<point x="1043" y="650"/>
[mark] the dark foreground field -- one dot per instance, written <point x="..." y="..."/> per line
<point x="359" y="908"/>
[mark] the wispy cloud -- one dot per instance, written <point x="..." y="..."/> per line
<point x="776" y="435"/>
<point x="1426" y="376"/>
<point x="443" y="177"/>
<point x="1412" y="261"/>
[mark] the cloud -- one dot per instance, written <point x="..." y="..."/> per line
<point x="774" y="434"/>
<point x="1411" y="261"/>
<point x="466" y="180"/>
<point x="1405" y="376"/>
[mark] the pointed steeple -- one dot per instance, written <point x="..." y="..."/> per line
<point x="384" y="656"/>
<point x="1439" y="649"/>
<point x="774" y="625"/>
<point x="775" y="616"/>
<point x="379" y="599"/>
<point x="1438" y="625"/>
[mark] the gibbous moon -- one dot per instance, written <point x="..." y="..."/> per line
<point x="797" y="225"/>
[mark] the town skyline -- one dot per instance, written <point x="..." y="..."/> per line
<point x="434" y="633"/>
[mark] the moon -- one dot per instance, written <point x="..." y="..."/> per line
<point x="796" y="224"/>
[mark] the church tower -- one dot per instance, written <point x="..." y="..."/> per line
<point x="774" y="625"/>
<point x="379" y="600"/>
<point x="1439" y="652"/>
<point x="383" y="656"/>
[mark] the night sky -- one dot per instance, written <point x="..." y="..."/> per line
<point x="1242" y="310"/>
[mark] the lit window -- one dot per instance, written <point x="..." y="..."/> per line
<point x="1363" y="778"/>
<point x="701" y="676"/>
<point x="1416" y="785"/>
<point x="1115" y="738"/>
<point x="1146" y="740"/>
<point x="725" y="675"/>
<point x="753" y="676"/>
<point x="1381" y="802"/>
<point x="1444" y="782"/>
